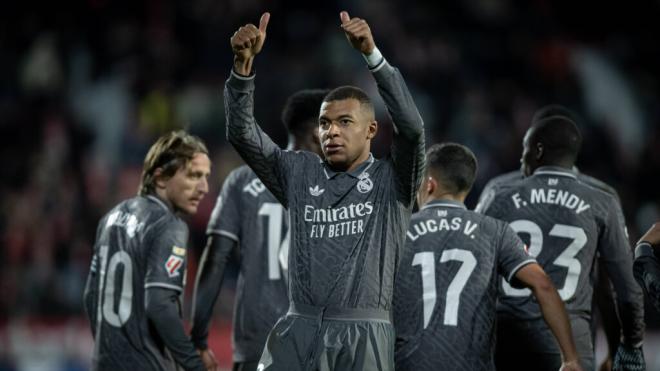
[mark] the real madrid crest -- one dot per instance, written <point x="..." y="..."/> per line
<point x="365" y="184"/>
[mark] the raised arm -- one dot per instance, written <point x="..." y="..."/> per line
<point x="408" y="144"/>
<point x="254" y="146"/>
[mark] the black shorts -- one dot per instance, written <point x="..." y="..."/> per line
<point x="530" y="345"/>
<point x="313" y="338"/>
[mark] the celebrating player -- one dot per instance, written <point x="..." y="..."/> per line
<point x="348" y="212"/>
<point x="248" y="221"/>
<point x="138" y="267"/>
<point x="566" y="222"/>
<point x="446" y="288"/>
<point x="603" y="296"/>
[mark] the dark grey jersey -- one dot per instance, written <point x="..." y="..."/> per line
<point x="446" y="287"/>
<point x="346" y="228"/>
<point x="490" y="188"/>
<point x="250" y="215"/>
<point x="140" y="244"/>
<point x="566" y="222"/>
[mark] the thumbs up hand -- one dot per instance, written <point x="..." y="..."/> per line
<point x="247" y="42"/>
<point x="358" y="33"/>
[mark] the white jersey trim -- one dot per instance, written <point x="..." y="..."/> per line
<point x="442" y="204"/>
<point x="557" y="173"/>
<point x="518" y="267"/>
<point x="222" y="232"/>
<point x="158" y="201"/>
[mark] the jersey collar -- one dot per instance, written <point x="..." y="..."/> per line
<point x="444" y="203"/>
<point x="329" y="173"/>
<point x="555" y="171"/>
<point x="159" y="202"/>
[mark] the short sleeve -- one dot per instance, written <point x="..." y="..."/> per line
<point x="512" y="254"/>
<point x="226" y="216"/>
<point x="166" y="255"/>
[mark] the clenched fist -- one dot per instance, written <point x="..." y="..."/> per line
<point x="358" y="33"/>
<point x="247" y="42"/>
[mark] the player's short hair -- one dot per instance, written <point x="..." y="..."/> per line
<point x="452" y="165"/>
<point x="350" y="92"/>
<point x="560" y="137"/>
<point x="556" y="110"/>
<point x="171" y="152"/>
<point x="301" y="111"/>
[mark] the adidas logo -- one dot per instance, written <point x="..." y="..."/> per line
<point x="316" y="191"/>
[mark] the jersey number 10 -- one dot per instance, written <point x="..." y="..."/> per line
<point x="107" y="278"/>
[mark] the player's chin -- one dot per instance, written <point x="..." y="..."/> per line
<point x="335" y="159"/>
<point x="191" y="207"/>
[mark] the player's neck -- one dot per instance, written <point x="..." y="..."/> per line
<point x="568" y="165"/>
<point x="359" y="161"/>
<point x="162" y="196"/>
<point x="446" y="196"/>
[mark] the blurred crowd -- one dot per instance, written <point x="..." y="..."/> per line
<point x="88" y="86"/>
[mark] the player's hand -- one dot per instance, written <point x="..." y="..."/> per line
<point x="652" y="236"/>
<point x="208" y="359"/>
<point x="571" y="366"/>
<point x="247" y="42"/>
<point x="629" y="358"/>
<point x="358" y="33"/>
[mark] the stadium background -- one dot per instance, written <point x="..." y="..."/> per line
<point x="86" y="86"/>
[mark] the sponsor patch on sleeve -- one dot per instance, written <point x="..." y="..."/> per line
<point x="173" y="265"/>
<point x="178" y="250"/>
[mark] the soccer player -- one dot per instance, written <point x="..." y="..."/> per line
<point x="446" y="287"/>
<point x="132" y="296"/>
<point x="249" y="222"/>
<point x="349" y="211"/>
<point x="603" y="296"/>
<point x="514" y="176"/>
<point x="566" y="223"/>
<point x="646" y="267"/>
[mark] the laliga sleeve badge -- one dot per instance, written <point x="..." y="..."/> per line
<point x="365" y="184"/>
<point x="173" y="265"/>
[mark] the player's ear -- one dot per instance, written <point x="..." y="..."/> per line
<point x="372" y="129"/>
<point x="431" y="185"/>
<point x="159" y="178"/>
<point x="539" y="151"/>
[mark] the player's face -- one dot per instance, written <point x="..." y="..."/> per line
<point x="345" y="132"/>
<point x="186" y="189"/>
<point x="528" y="159"/>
